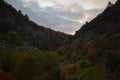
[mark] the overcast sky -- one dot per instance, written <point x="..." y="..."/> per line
<point x="61" y="15"/>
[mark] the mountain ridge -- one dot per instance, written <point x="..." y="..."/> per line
<point x="100" y="24"/>
<point x="93" y="53"/>
<point x="11" y="19"/>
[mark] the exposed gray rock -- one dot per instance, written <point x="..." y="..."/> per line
<point x="23" y="48"/>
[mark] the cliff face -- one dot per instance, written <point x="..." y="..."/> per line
<point x="99" y="41"/>
<point x="93" y="54"/>
<point x="105" y="23"/>
<point x="43" y="38"/>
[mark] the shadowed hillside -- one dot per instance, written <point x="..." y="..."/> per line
<point x="93" y="53"/>
<point x="43" y="38"/>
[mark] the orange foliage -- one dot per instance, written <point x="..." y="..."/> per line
<point x="91" y="52"/>
<point x="60" y="58"/>
<point x="6" y="76"/>
<point x="63" y="72"/>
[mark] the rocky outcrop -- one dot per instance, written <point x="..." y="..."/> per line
<point x="23" y="48"/>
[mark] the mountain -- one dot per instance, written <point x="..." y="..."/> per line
<point x="99" y="41"/>
<point x="106" y="23"/>
<point x="93" y="53"/>
<point x="36" y="35"/>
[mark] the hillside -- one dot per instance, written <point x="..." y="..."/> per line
<point x="103" y="31"/>
<point x="99" y="40"/>
<point x="105" y="23"/>
<point x="43" y="38"/>
<point x="93" y="53"/>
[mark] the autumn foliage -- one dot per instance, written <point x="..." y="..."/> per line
<point x="91" y="52"/>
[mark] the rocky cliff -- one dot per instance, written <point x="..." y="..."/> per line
<point x="36" y="35"/>
<point x="108" y="22"/>
<point x="99" y="41"/>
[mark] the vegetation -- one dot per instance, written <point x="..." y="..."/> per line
<point x="96" y="56"/>
<point x="49" y="65"/>
<point x="12" y="37"/>
<point x="112" y="63"/>
<point x="44" y="65"/>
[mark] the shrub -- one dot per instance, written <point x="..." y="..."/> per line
<point x="8" y="60"/>
<point x="63" y="72"/>
<point x="61" y="50"/>
<point x="14" y="37"/>
<point x="6" y="76"/>
<point x="29" y="69"/>
<point x="74" y="56"/>
<point x="60" y="58"/>
<point x="91" y="52"/>
<point x="111" y="63"/>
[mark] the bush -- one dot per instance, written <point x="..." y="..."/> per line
<point x="63" y="72"/>
<point x="91" y="53"/>
<point x="8" y="60"/>
<point x="29" y="69"/>
<point x="112" y="63"/>
<point x="32" y="66"/>
<point x="14" y="37"/>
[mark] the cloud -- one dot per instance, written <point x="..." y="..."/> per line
<point x="90" y="14"/>
<point x="60" y="15"/>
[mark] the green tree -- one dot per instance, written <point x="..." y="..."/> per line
<point x="14" y="37"/>
<point x="29" y="69"/>
<point x="8" y="60"/>
<point x="112" y="63"/>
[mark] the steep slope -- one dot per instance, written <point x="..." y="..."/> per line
<point x="43" y="38"/>
<point x="94" y="53"/>
<point x="107" y="22"/>
<point x="99" y="42"/>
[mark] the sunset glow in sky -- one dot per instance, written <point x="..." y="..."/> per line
<point x="61" y="15"/>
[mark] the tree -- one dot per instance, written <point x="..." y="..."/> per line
<point x="20" y="12"/>
<point x="109" y="4"/>
<point x="86" y="22"/>
<point x="3" y="0"/>
<point x="91" y="52"/>
<point x="14" y="37"/>
<point x="111" y="63"/>
<point x="8" y="59"/>
<point x="26" y="71"/>
<point x="26" y="16"/>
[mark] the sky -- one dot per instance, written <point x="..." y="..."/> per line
<point x="65" y="16"/>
